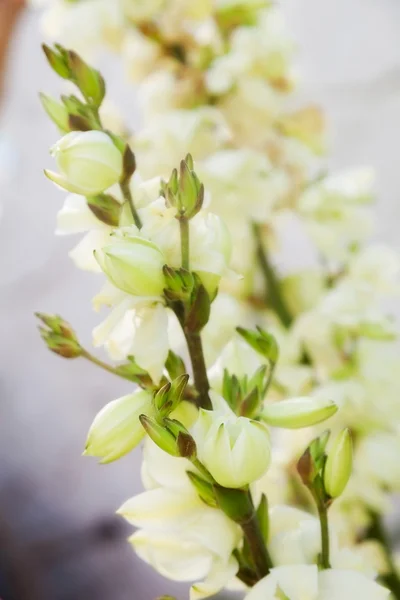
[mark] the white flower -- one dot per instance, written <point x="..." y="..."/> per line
<point x="138" y="327"/>
<point x="140" y="54"/>
<point x="295" y="538"/>
<point x="377" y="457"/>
<point x="237" y="358"/>
<point x="263" y="50"/>
<point x="355" y="308"/>
<point x="335" y="212"/>
<point x="161" y="145"/>
<point x="209" y="241"/>
<point x="84" y="25"/>
<point x="76" y="217"/>
<point x="116" y="429"/>
<point x="251" y="110"/>
<point x="139" y="11"/>
<point x="235" y="450"/>
<point x="243" y="184"/>
<point x="179" y="535"/>
<point x="378" y="266"/>
<point x="89" y="162"/>
<point x="300" y="582"/>
<point x="226" y="312"/>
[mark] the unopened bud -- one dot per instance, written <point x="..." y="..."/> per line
<point x="185" y="442"/>
<point x="106" y="208"/>
<point x="264" y="343"/>
<point x="58" y="60"/>
<point x="57" y="112"/>
<point x="185" y="191"/>
<point x="203" y="488"/>
<point x="160" y="435"/>
<point x="298" y="412"/>
<point x="339" y="464"/>
<point x="89" y="80"/>
<point x="134" y="265"/>
<point x="59" y="336"/>
<point x="116" y="430"/>
<point x="169" y="396"/>
<point x="88" y="161"/>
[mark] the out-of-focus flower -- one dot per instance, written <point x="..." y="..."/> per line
<point x="300" y="582"/>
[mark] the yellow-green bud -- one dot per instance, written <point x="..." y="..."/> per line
<point x="133" y="265"/>
<point x="116" y="429"/>
<point x="298" y="412"/>
<point x="88" y="161"/>
<point x="339" y="464"/>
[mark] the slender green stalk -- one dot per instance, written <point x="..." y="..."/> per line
<point x="184" y="228"/>
<point x="199" y="368"/>
<point x="106" y="367"/>
<point x="272" y="288"/>
<point x="377" y="532"/>
<point x="127" y="194"/>
<point x="258" y="549"/>
<point x="323" y="520"/>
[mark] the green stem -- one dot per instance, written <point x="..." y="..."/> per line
<point x="272" y="292"/>
<point x="376" y="531"/>
<point x="127" y="194"/>
<point x="258" y="549"/>
<point x="106" y="367"/>
<point x="199" y="368"/>
<point x="323" y="519"/>
<point x="184" y="228"/>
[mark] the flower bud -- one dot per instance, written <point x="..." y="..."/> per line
<point x="89" y="162"/>
<point x="235" y="450"/>
<point x="160" y="435"/>
<point x="116" y="429"/>
<point x="134" y="265"/>
<point x="56" y="111"/>
<point x="59" y="336"/>
<point x="339" y="464"/>
<point x="169" y="396"/>
<point x="298" y="412"/>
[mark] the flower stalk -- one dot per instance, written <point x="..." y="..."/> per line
<point x="184" y="231"/>
<point x="127" y="194"/>
<point x="273" y="295"/>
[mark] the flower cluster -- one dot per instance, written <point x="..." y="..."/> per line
<point x="238" y="361"/>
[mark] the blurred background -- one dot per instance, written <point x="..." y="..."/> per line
<point x="56" y="509"/>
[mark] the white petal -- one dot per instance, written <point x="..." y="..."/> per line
<point x="337" y="584"/>
<point x="150" y="344"/>
<point x="76" y="217"/>
<point x="102" y="332"/>
<point x="219" y="575"/>
<point x="162" y="510"/>
<point x="165" y="470"/>
<point x="82" y="254"/>
<point x="298" y="582"/>
<point x="265" y="589"/>
<point x="177" y="560"/>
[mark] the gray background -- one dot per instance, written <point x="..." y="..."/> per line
<point x="59" y="506"/>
